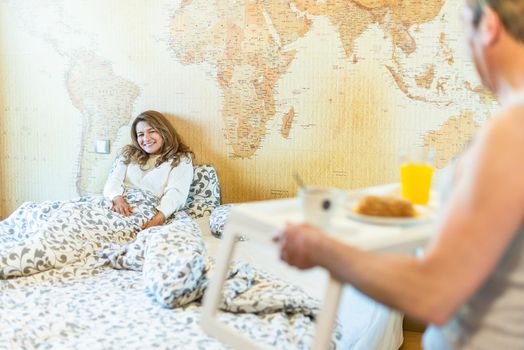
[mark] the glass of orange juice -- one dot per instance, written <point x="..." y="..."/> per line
<point x="416" y="173"/>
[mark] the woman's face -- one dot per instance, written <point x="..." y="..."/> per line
<point x="148" y="138"/>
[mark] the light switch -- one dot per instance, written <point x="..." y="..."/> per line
<point x="102" y="146"/>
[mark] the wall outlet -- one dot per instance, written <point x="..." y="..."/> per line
<point x="102" y="146"/>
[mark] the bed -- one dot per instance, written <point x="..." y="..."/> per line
<point x="145" y="291"/>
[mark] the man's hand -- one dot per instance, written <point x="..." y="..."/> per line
<point x="298" y="245"/>
<point x="121" y="207"/>
<point x="157" y="220"/>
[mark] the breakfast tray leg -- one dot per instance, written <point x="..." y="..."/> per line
<point x="261" y="233"/>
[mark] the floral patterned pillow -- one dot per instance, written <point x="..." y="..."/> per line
<point x="204" y="193"/>
<point x="218" y="219"/>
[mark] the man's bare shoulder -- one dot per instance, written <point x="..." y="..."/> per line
<point x="498" y="152"/>
<point x="506" y="130"/>
<point x="498" y="148"/>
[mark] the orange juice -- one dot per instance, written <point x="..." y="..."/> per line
<point x="416" y="182"/>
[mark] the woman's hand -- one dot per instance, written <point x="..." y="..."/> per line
<point x="121" y="207"/>
<point x="298" y="245"/>
<point x="157" y="220"/>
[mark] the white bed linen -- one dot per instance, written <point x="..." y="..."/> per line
<point x="106" y="308"/>
<point x="93" y="306"/>
<point x="366" y="324"/>
<point x="110" y="310"/>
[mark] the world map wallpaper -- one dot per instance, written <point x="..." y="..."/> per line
<point x="335" y="90"/>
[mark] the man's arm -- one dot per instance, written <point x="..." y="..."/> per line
<point x="484" y="213"/>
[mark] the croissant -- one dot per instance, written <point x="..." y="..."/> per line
<point x="385" y="206"/>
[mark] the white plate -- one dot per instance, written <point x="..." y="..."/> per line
<point x="425" y="214"/>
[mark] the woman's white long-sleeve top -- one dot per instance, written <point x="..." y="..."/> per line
<point x="170" y="184"/>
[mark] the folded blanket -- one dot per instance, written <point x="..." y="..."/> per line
<point x="176" y="272"/>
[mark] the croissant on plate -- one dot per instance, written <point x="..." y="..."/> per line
<point x="385" y="206"/>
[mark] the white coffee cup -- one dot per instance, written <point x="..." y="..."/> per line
<point x="319" y="204"/>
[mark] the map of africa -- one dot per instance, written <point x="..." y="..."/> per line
<point x="333" y="89"/>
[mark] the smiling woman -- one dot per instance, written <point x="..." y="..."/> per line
<point x="156" y="160"/>
<point x="158" y="129"/>
<point x="148" y="138"/>
<point x="149" y="181"/>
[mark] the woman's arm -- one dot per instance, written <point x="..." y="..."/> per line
<point x="177" y="187"/>
<point x="175" y="193"/>
<point x="114" y="188"/>
<point x="115" y="181"/>
<point x="485" y="211"/>
<point x="157" y="220"/>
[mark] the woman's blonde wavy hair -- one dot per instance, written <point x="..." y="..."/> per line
<point x="172" y="149"/>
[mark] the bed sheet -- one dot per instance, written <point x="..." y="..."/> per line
<point x="102" y="308"/>
<point x="86" y="304"/>
<point x="82" y="306"/>
<point x="366" y="324"/>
